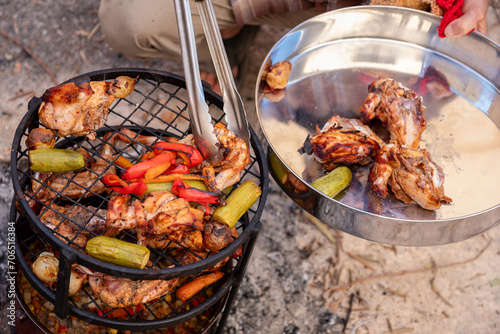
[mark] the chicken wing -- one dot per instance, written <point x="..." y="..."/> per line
<point x="79" y="110"/>
<point x="344" y="141"/>
<point x="399" y="108"/>
<point x="411" y="174"/>
<point x="123" y="292"/>
<point x="162" y="213"/>
<point x="160" y="217"/>
<point x="232" y="158"/>
<point x="162" y="220"/>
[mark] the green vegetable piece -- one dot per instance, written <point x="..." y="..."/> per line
<point x="278" y="168"/>
<point x="237" y="203"/>
<point x="332" y="183"/>
<point x="167" y="186"/>
<point x="55" y="160"/>
<point x="117" y="251"/>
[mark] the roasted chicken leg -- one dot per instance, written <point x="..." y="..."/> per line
<point x="232" y="158"/>
<point x="123" y="292"/>
<point x="399" y="108"/>
<point x="344" y="141"/>
<point x="411" y="174"/>
<point x="80" y="110"/>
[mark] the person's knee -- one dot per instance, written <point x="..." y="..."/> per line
<point x="117" y="28"/>
<point x="130" y="27"/>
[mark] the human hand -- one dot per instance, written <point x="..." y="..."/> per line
<point x="474" y="17"/>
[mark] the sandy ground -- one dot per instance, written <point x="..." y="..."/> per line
<point x="289" y="283"/>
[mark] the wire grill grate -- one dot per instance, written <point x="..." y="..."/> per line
<point x="50" y="202"/>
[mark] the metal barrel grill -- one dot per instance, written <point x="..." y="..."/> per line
<point x="156" y="108"/>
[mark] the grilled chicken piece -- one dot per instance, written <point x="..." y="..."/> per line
<point x="277" y="75"/>
<point x="121" y="213"/>
<point x="182" y="239"/>
<point x="48" y="186"/>
<point x="162" y="220"/>
<point x="217" y="235"/>
<point x="214" y="237"/>
<point x="411" y="174"/>
<point x="75" y="223"/>
<point x="162" y="213"/>
<point x="80" y="110"/>
<point x="40" y="138"/>
<point x="230" y="161"/>
<point x="160" y="217"/>
<point x="399" y="108"/>
<point x="123" y="292"/>
<point x="344" y="141"/>
<point x="189" y="257"/>
<point x="381" y="171"/>
<point x="75" y="110"/>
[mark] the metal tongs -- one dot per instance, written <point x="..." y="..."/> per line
<point x="198" y="110"/>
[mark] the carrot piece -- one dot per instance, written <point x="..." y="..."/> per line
<point x="36" y="303"/>
<point x="123" y="162"/>
<point x="190" y="289"/>
<point x="121" y="313"/>
<point x="157" y="170"/>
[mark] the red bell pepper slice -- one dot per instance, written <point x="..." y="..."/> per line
<point x="63" y="329"/>
<point x="138" y="170"/>
<point x="137" y="187"/>
<point x="194" y="157"/>
<point x="111" y="180"/>
<point x="179" y="169"/>
<point x="183" y="190"/>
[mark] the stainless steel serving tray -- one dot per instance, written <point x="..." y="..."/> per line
<point x="334" y="57"/>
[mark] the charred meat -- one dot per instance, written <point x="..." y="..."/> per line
<point x="76" y="223"/>
<point x="80" y="109"/>
<point x="162" y="213"/>
<point x="123" y="292"/>
<point x="344" y="141"/>
<point x="232" y="158"/>
<point x="411" y="175"/>
<point x="276" y="75"/>
<point x="399" y="108"/>
<point x="162" y="220"/>
<point x="159" y="218"/>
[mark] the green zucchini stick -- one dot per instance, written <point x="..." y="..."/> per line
<point x="237" y="203"/>
<point x="117" y="251"/>
<point x="167" y="186"/>
<point x="333" y="183"/>
<point x="55" y="160"/>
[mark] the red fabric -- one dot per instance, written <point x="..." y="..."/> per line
<point x="452" y="11"/>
